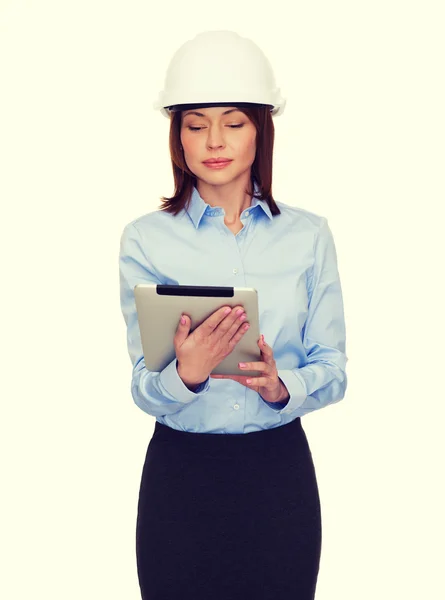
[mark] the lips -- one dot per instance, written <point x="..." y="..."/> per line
<point x="216" y="161"/>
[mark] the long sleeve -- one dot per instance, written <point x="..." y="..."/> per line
<point x="156" y="393"/>
<point x="323" y="380"/>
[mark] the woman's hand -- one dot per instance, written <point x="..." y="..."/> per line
<point x="269" y="385"/>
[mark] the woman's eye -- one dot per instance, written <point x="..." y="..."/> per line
<point x="232" y="126"/>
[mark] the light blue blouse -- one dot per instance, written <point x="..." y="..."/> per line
<point x="291" y="260"/>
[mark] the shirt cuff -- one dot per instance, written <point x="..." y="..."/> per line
<point x="173" y="384"/>
<point x="296" y="386"/>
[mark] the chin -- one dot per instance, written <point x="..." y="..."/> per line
<point x="222" y="176"/>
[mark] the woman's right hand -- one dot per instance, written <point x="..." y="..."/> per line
<point x="198" y="353"/>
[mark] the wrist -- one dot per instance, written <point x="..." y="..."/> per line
<point x="191" y="382"/>
<point x="285" y="396"/>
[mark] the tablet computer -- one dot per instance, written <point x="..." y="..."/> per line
<point x="159" y="309"/>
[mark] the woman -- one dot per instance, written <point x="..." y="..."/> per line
<point x="228" y="504"/>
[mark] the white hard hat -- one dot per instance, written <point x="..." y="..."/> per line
<point x="219" y="68"/>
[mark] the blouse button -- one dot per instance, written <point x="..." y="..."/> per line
<point x="236" y="406"/>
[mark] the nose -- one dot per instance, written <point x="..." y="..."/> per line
<point x="214" y="146"/>
<point x="215" y="138"/>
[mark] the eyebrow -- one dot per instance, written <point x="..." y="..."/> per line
<point x="194" y="112"/>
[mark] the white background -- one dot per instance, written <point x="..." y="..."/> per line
<point x="83" y="152"/>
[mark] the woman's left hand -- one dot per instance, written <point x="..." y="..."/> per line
<point x="269" y="385"/>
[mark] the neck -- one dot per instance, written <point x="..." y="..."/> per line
<point x="231" y="197"/>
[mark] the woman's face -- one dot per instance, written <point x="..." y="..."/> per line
<point x="218" y="135"/>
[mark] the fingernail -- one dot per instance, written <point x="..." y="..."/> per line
<point x="262" y="340"/>
<point x="242" y="365"/>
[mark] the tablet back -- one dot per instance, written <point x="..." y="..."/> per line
<point x="159" y="309"/>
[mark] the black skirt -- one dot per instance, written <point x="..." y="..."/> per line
<point x="228" y="516"/>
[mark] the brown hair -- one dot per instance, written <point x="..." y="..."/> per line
<point x="261" y="169"/>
